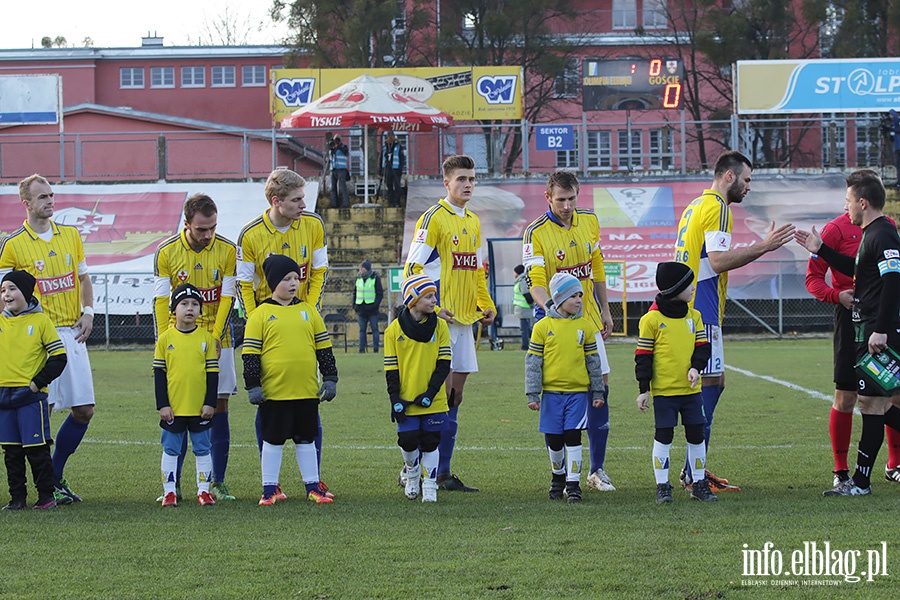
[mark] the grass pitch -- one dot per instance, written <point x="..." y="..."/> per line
<point x="508" y="541"/>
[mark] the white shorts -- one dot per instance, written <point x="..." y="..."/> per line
<point x="75" y="387"/>
<point x="227" y="376"/>
<point x="716" y="364"/>
<point x="601" y="351"/>
<point x="462" y="349"/>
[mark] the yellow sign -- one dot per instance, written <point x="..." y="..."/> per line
<point x="465" y="93"/>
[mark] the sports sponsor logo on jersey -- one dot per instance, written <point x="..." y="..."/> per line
<point x="421" y="235"/>
<point x="455" y="240"/>
<point x="215" y="274"/>
<point x="304" y="271"/>
<point x="31" y="330"/>
<point x="580" y="334"/>
<point x="203" y="347"/>
<point x="466" y="261"/>
<point x="303" y="252"/>
<point x="52" y="253"/>
<point x="580" y="272"/>
<point x="211" y="295"/>
<point x="690" y="325"/>
<point x="285" y="246"/>
<point x="560" y="255"/>
<point x="39" y="265"/>
<point x="182" y="275"/>
<point x="892" y="254"/>
<point x="68" y="260"/>
<point x="198" y="267"/>
<point x="56" y="285"/>
<point x="572" y="244"/>
<point x="304" y="315"/>
<point x="239" y="253"/>
<point x="527" y="251"/>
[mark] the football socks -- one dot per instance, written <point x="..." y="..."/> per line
<point x="69" y="436"/>
<point x="696" y="456"/>
<point x="598" y="434"/>
<point x="840" y="426"/>
<point x="220" y="437"/>
<point x="869" y="442"/>
<point x="573" y="462"/>
<point x="448" y="441"/>
<point x="557" y="461"/>
<point x="661" y="461"/>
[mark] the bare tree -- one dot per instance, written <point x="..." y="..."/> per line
<point x="228" y="26"/>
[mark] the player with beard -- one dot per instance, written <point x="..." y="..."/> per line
<point x="704" y="244"/>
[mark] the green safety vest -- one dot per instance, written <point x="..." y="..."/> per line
<point x="365" y="290"/>
<point x="519" y="296"/>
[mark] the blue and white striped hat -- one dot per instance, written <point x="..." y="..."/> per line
<point x="415" y="287"/>
<point x="563" y="286"/>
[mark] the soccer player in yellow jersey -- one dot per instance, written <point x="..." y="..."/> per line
<point x="566" y="239"/>
<point x="562" y="362"/>
<point x="704" y="244"/>
<point x="416" y="364"/>
<point x="186" y="375"/>
<point x="54" y="255"/>
<point x="446" y="247"/>
<point x="288" y="229"/>
<point x="33" y="356"/>
<point x="285" y="228"/>
<point x="206" y="260"/>
<point x="672" y="350"/>
<point x="283" y="342"/>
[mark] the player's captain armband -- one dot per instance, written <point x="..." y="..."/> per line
<point x="880" y="370"/>
<point x="421" y="236"/>
<point x="717" y="241"/>
<point x="891" y="265"/>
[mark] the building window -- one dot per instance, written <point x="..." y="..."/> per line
<point x="624" y="14"/>
<point x="162" y="77"/>
<point x="131" y="77"/>
<point x="629" y="158"/>
<point x="568" y="159"/>
<point x="599" y="150"/>
<point x="253" y="75"/>
<point x="654" y="14"/>
<point x="222" y="76"/>
<point x="193" y="77"/>
<point x="566" y="84"/>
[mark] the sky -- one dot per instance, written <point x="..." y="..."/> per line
<point x="116" y="24"/>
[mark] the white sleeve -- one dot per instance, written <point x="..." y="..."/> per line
<point x="163" y="287"/>
<point x="419" y="253"/>
<point x="82" y="268"/>
<point x="717" y="241"/>
<point x="320" y="258"/>
<point x="229" y="284"/>
<point x="246" y="271"/>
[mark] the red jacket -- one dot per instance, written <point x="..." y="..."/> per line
<point x="843" y="236"/>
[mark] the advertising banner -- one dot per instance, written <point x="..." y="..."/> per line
<point x="462" y="92"/>
<point x="817" y="86"/>
<point x="639" y="220"/>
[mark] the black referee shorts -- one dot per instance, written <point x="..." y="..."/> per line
<point x="844" y="350"/>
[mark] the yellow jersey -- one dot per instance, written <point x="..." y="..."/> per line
<point x="549" y="248"/>
<point x="186" y="358"/>
<point x="563" y="344"/>
<point x="26" y="341"/>
<point x="211" y="270"/>
<point x="705" y="227"/>
<point x="286" y="338"/>
<point x="56" y="265"/>
<point x="303" y="240"/>
<point x="447" y="249"/>
<point x="671" y="341"/>
<point x="416" y="362"/>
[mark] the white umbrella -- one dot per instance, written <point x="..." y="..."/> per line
<point x="368" y="102"/>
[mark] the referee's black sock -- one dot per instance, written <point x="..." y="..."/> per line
<point x="869" y="442"/>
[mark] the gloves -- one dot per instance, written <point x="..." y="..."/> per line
<point x="328" y="391"/>
<point x="256" y="396"/>
<point x="398" y="410"/>
<point x="423" y="400"/>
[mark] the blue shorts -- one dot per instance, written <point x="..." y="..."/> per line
<point x="563" y="412"/>
<point x="200" y="442"/>
<point x="27" y="425"/>
<point x="432" y="422"/>
<point x="666" y="409"/>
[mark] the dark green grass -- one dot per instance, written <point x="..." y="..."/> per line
<point x="508" y="541"/>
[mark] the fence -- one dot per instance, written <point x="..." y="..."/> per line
<point x="124" y="303"/>
<point x="642" y="143"/>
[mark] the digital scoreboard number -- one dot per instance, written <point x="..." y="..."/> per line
<point x="631" y="84"/>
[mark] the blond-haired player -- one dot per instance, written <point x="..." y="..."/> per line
<point x="54" y="255"/>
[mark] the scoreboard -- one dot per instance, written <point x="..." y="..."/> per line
<point x="631" y="84"/>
